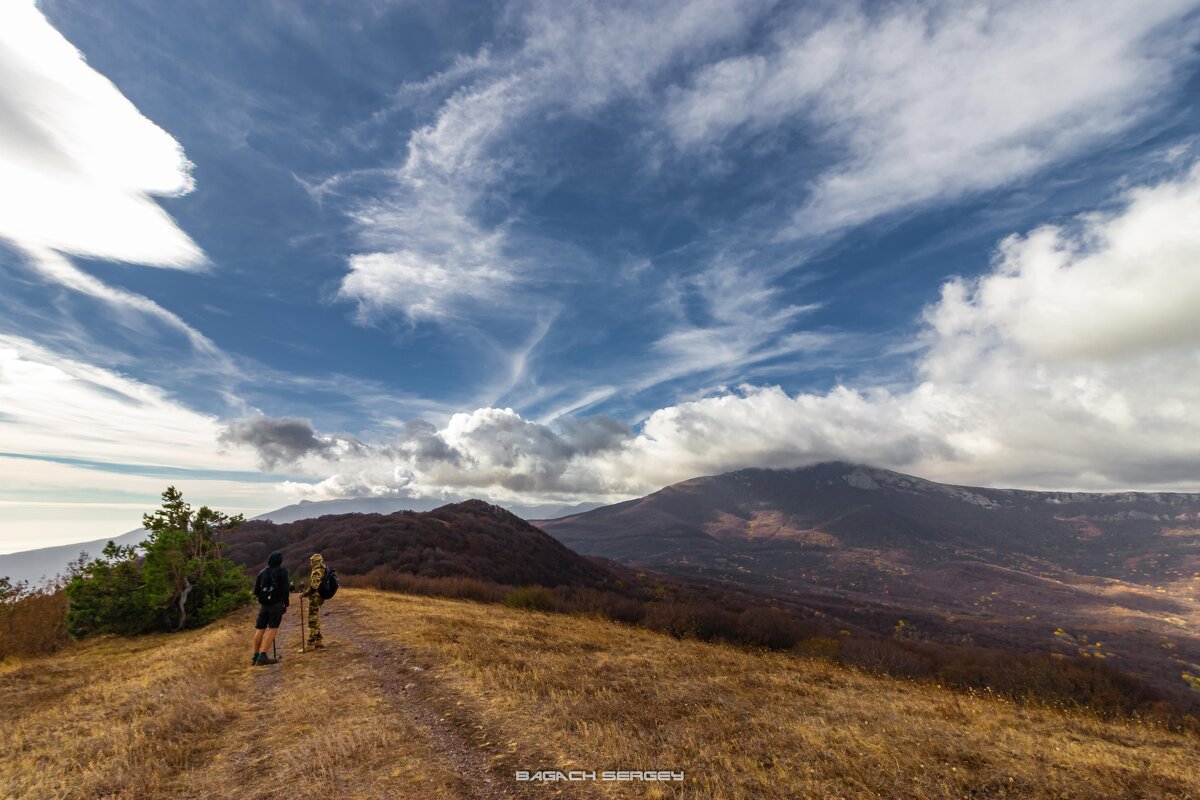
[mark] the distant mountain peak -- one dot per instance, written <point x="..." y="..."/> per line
<point x="482" y="508"/>
<point x="821" y="469"/>
<point x="861" y="476"/>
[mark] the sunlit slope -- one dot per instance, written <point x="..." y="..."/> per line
<point x="428" y="698"/>
<point x="184" y="716"/>
<point x="589" y="694"/>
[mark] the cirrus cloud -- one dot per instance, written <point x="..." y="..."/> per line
<point x="930" y="101"/>
<point x="1068" y="365"/>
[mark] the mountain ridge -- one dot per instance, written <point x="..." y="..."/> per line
<point x="899" y="507"/>
<point x="471" y="539"/>
<point x="42" y="563"/>
<point x="1112" y="576"/>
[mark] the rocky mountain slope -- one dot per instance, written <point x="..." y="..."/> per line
<point x="818" y="516"/>
<point x="1112" y="576"/>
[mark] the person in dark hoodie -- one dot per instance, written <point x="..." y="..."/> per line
<point x="271" y="588"/>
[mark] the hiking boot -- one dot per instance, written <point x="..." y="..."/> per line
<point x="264" y="660"/>
<point x="317" y="645"/>
<point x="254" y="661"/>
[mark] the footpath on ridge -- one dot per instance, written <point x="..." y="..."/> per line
<point x="359" y="666"/>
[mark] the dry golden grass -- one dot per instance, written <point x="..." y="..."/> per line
<point x="588" y="694"/>
<point x="175" y="716"/>
<point x="185" y="716"/>
<point x="114" y="718"/>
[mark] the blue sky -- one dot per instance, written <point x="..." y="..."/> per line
<point x="573" y="250"/>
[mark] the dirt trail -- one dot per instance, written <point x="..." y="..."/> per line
<point x="367" y="679"/>
<point x="409" y="691"/>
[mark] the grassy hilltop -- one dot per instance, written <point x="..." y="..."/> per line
<point x="421" y="697"/>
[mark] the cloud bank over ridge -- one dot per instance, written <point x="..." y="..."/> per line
<point x="1071" y="363"/>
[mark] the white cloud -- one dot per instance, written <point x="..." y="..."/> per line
<point x="78" y="162"/>
<point x="95" y="440"/>
<point x="79" y="168"/>
<point x="54" y="406"/>
<point x="1068" y="364"/>
<point x="913" y="103"/>
<point x="60" y="269"/>
<point x="746" y="323"/>
<point x="1123" y="285"/>
<point x="429" y="254"/>
<point x="1071" y="364"/>
<point x="422" y="289"/>
<point x="491" y="449"/>
<point x="929" y="101"/>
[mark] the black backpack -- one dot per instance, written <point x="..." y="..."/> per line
<point x="328" y="586"/>
<point x="266" y="587"/>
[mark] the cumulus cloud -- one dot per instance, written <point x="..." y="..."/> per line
<point x="1122" y="284"/>
<point x="1065" y="365"/>
<point x="1069" y="364"/>
<point x="489" y="449"/>
<point x="928" y="101"/>
<point x="80" y="166"/>
<point x="285" y="441"/>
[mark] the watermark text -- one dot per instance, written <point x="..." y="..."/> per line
<point x="553" y="775"/>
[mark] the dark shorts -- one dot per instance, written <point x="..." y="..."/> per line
<point x="270" y="616"/>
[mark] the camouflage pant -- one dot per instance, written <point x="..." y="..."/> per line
<point x="314" y="619"/>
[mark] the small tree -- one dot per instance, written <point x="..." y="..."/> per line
<point x="181" y="581"/>
<point x="107" y="595"/>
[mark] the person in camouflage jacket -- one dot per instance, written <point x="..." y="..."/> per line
<point x="315" y="600"/>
